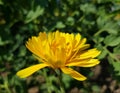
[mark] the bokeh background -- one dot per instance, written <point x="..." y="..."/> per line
<point x="96" y="20"/>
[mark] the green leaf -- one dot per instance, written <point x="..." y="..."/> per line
<point x="60" y="25"/>
<point x="1" y="2"/>
<point x="112" y="40"/>
<point x="34" y="14"/>
<point x="2" y="43"/>
<point x="116" y="50"/>
<point x="88" y="8"/>
<point x="116" y="66"/>
<point x="111" y="27"/>
<point x="103" y="54"/>
<point x="70" y="21"/>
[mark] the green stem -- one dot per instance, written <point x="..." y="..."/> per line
<point x="98" y="32"/>
<point x="82" y="18"/>
<point x="111" y="55"/>
<point x="6" y="85"/>
<point x="60" y="80"/>
<point x="47" y="81"/>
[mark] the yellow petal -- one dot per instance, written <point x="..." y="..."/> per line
<point x="77" y="39"/>
<point x="90" y="53"/>
<point x="85" y="63"/>
<point x="51" y="37"/>
<point x="78" y="52"/>
<point x="82" y="42"/>
<point x="57" y="35"/>
<point x="30" y="70"/>
<point x="75" y="61"/>
<point x="42" y="36"/>
<point x="74" y="74"/>
<point x="83" y="47"/>
<point x="34" y="46"/>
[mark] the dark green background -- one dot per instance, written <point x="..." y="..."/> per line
<point x="97" y="20"/>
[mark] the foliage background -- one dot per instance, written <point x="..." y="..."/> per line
<point x="97" y="20"/>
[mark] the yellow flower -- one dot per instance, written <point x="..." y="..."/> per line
<point x="60" y="50"/>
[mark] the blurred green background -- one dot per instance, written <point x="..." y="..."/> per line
<point x="97" y="20"/>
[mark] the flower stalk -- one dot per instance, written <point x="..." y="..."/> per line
<point x="47" y="81"/>
<point x="59" y="75"/>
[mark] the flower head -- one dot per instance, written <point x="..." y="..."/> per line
<point x="60" y="50"/>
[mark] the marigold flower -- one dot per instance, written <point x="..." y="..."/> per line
<point x="60" y="50"/>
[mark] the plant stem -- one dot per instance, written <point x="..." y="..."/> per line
<point x="60" y="80"/>
<point x="6" y="85"/>
<point x="111" y="55"/>
<point x="98" y="32"/>
<point x="47" y="81"/>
